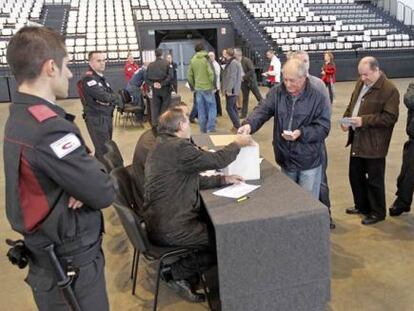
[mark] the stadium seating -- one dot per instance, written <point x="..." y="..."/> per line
<point x="106" y="25"/>
<point x="14" y="14"/>
<point x="110" y="25"/>
<point x="178" y="10"/>
<point x="317" y="25"/>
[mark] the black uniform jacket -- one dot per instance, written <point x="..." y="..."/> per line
<point x="98" y="95"/>
<point x="172" y="182"/>
<point x="161" y="72"/>
<point x="46" y="162"/>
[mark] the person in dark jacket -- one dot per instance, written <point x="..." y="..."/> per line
<point x="99" y="102"/>
<point x="134" y="86"/>
<point x="144" y="146"/>
<point x="159" y="77"/>
<point x="55" y="189"/>
<point x="249" y="81"/>
<point x="301" y="124"/>
<point x="173" y="67"/>
<point x="172" y="204"/>
<point x="369" y="119"/>
<point x="405" y="181"/>
<point x="303" y="56"/>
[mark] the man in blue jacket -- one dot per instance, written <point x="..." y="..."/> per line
<point x="302" y="122"/>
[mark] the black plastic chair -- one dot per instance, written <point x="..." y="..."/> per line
<point x="134" y="226"/>
<point x="128" y="109"/>
<point x="112" y="161"/>
<point x="111" y="146"/>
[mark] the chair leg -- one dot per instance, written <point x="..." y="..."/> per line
<point x="133" y="263"/>
<point x="157" y="285"/>
<point x="134" y="285"/>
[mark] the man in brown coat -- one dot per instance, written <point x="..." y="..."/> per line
<point x="369" y="120"/>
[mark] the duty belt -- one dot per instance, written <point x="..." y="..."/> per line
<point x="40" y="258"/>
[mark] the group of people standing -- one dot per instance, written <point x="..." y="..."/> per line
<point x="233" y="75"/>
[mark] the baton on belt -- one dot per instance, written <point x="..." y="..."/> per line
<point x="63" y="280"/>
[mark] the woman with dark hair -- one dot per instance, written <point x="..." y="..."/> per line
<point x="328" y="73"/>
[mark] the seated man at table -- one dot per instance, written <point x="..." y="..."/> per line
<point x="145" y="144"/>
<point x="172" y="204"/>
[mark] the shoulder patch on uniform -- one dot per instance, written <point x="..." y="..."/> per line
<point x="89" y="73"/>
<point x="65" y="145"/>
<point x="91" y="83"/>
<point x="41" y="112"/>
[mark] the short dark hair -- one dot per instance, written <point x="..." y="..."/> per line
<point x="271" y="51"/>
<point x="91" y="53"/>
<point x="158" y="52"/>
<point x="170" y="120"/>
<point x="230" y="52"/>
<point x="30" y="48"/>
<point x="199" y="47"/>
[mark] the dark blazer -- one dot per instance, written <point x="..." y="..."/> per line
<point x="409" y="102"/>
<point x="379" y="113"/>
<point x="172" y="201"/>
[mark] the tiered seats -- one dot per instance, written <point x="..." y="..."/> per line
<point x="178" y="10"/>
<point x="317" y="25"/>
<point x="105" y="25"/>
<point x="14" y="14"/>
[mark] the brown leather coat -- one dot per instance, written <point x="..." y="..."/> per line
<point x="379" y="113"/>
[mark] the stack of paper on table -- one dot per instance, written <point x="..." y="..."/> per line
<point x="247" y="163"/>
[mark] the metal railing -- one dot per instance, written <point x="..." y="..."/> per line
<point x="397" y="9"/>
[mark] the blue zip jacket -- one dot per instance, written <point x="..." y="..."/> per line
<point x="310" y="114"/>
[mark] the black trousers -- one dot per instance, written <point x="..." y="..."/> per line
<point x="246" y="87"/>
<point x="100" y="131"/>
<point x="160" y="101"/>
<point x="324" y="191"/>
<point x="187" y="267"/>
<point x="89" y="288"/>
<point x="218" y="102"/>
<point x="405" y="181"/>
<point x="368" y="187"/>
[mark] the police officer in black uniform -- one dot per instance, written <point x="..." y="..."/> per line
<point x="159" y="77"/>
<point x="55" y="190"/>
<point x="99" y="101"/>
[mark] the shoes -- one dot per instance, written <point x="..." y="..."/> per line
<point x="371" y="219"/>
<point x="354" y="211"/>
<point x="183" y="288"/>
<point x="192" y="120"/>
<point x="332" y="224"/>
<point x="397" y="211"/>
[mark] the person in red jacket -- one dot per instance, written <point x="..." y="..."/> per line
<point x="130" y="67"/>
<point x="328" y="73"/>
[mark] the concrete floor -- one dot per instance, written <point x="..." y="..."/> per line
<point x="372" y="267"/>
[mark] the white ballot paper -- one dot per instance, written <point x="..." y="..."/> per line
<point x="236" y="191"/>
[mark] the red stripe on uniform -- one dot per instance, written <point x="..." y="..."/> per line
<point x="33" y="200"/>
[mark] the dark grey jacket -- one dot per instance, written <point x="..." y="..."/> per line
<point x="46" y="162"/>
<point x="310" y="114"/>
<point x="172" y="183"/>
<point x="409" y="102"/>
